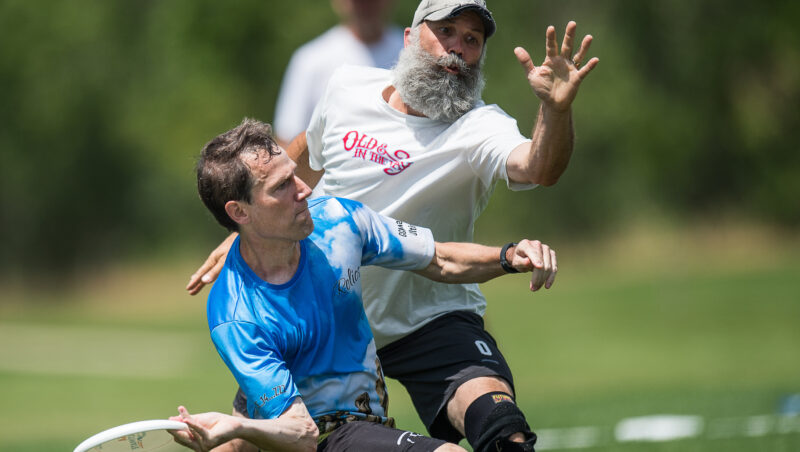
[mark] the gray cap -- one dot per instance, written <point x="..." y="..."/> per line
<point x="443" y="9"/>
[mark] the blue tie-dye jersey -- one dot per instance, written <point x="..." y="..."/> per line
<point x="309" y="337"/>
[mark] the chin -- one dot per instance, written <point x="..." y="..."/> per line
<point x="306" y="228"/>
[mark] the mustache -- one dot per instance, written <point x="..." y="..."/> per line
<point x="453" y="60"/>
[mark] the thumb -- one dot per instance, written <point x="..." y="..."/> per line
<point x="524" y="59"/>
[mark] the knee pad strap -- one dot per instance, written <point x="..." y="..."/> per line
<point x="491" y="419"/>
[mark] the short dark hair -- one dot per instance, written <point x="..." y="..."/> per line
<point x="223" y="176"/>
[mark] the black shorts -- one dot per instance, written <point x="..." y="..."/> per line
<point x="435" y="360"/>
<point x="370" y="436"/>
<point x="362" y="435"/>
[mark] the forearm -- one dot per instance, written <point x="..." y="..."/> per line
<point x="550" y="148"/>
<point x="298" y="151"/>
<point x="551" y="144"/>
<point x="544" y="159"/>
<point x="459" y="263"/>
<point x="236" y="445"/>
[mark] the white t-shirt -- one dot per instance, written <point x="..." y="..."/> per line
<point x="432" y="173"/>
<point x="313" y="63"/>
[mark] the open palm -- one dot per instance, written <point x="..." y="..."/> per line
<point x="557" y="79"/>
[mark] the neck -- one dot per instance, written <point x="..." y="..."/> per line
<point x="274" y="261"/>
<point x="392" y="97"/>
<point x="368" y="33"/>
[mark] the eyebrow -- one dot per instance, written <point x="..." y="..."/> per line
<point x="452" y="20"/>
<point x="281" y="181"/>
<point x="284" y="178"/>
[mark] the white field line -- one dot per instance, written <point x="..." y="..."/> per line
<point x="100" y="351"/>
<point x="660" y="428"/>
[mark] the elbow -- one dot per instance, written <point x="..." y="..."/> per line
<point x="463" y="276"/>
<point x="536" y="175"/>
<point x="548" y="181"/>
<point x="439" y="274"/>
<point x="543" y="178"/>
<point x="310" y="435"/>
<point x="300" y="437"/>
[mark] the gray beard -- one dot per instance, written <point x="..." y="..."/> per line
<point x="425" y="86"/>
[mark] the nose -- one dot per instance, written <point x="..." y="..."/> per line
<point x="454" y="47"/>
<point x="303" y="190"/>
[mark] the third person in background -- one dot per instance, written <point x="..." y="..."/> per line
<point x="364" y="37"/>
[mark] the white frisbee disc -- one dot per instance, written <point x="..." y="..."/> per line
<point x="142" y="436"/>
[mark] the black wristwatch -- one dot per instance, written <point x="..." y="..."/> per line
<point x="503" y="262"/>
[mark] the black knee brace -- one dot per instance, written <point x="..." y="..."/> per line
<point x="491" y="419"/>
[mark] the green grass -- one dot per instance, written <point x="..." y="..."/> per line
<point x="693" y="327"/>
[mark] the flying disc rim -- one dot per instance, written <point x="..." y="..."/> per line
<point x="129" y="429"/>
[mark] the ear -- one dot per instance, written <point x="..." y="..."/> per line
<point x="238" y="212"/>
<point x="406" y="33"/>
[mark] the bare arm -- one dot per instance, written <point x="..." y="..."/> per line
<point x="294" y="430"/>
<point x="455" y="262"/>
<point x="298" y="151"/>
<point x="555" y="82"/>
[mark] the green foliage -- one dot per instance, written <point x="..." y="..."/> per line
<point x="106" y="104"/>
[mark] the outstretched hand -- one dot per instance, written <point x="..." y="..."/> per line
<point x="206" y="430"/>
<point x="538" y="258"/>
<point x="557" y="79"/>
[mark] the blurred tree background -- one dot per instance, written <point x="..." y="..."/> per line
<point x="692" y="113"/>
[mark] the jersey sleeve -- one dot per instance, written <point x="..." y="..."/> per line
<point x="501" y="135"/>
<point x="388" y="242"/>
<point x="256" y="363"/>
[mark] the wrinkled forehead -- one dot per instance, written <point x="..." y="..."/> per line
<point x="262" y="163"/>
<point x="468" y="18"/>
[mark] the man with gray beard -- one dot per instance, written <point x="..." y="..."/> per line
<point x="435" y="93"/>
<point x="418" y="144"/>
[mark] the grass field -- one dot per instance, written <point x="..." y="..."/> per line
<point x="701" y="322"/>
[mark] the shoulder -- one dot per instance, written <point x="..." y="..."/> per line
<point x="225" y="297"/>
<point x="486" y="121"/>
<point x="318" y="57"/>
<point x="230" y="291"/>
<point x="395" y="33"/>
<point x="329" y="209"/>
<point x="338" y="220"/>
<point x="482" y="112"/>
<point x="329" y="41"/>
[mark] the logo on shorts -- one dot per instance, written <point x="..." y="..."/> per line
<point x="409" y="437"/>
<point x="366" y="148"/>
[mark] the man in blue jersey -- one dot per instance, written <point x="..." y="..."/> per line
<point x="286" y="312"/>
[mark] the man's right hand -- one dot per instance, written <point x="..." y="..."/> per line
<point x="208" y="272"/>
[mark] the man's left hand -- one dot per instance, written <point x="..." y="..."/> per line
<point x="539" y="259"/>
<point x="557" y="79"/>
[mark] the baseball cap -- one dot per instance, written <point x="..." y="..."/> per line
<point x="443" y="9"/>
